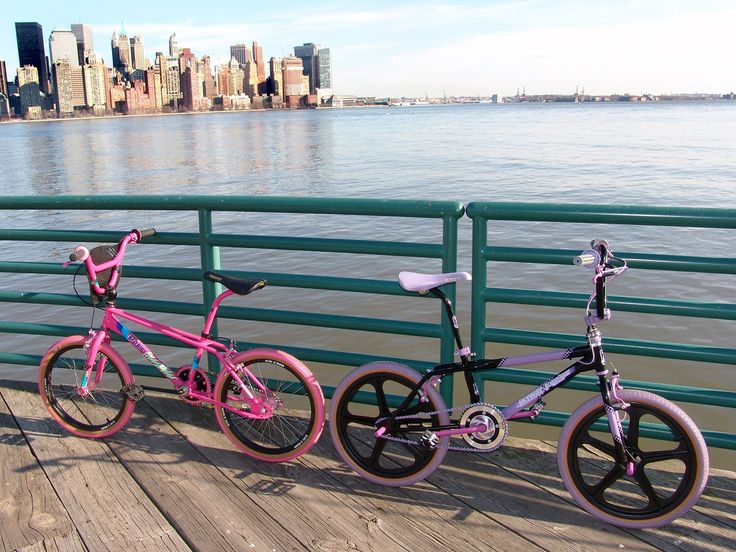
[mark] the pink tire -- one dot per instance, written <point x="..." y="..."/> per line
<point x="361" y="399"/>
<point x="104" y="408"/>
<point x="298" y="416"/>
<point x="666" y="480"/>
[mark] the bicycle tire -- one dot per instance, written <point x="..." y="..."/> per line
<point x="104" y="409"/>
<point x="666" y="482"/>
<point x="352" y="424"/>
<point x="299" y="412"/>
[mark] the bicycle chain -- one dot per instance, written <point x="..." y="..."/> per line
<point x="429" y="414"/>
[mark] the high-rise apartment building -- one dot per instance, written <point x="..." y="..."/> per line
<point x="85" y="46"/>
<point x="63" y="45"/>
<point x="173" y="46"/>
<point x="69" y="91"/>
<point x="138" y="58"/>
<point x="115" y="46"/>
<point x="31" y="51"/>
<point x="95" y="85"/>
<point x="241" y="53"/>
<point x="251" y="84"/>
<point x="308" y="53"/>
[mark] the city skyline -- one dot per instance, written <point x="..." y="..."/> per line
<point x="438" y="48"/>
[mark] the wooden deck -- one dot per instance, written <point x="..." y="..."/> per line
<point x="172" y="481"/>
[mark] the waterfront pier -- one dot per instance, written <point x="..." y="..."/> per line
<point x="172" y="481"/>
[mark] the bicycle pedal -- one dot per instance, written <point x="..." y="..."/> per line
<point x="133" y="392"/>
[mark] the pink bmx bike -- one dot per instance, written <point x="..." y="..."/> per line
<point x="266" y="401"/>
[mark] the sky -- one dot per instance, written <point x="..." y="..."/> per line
<point x="435" y="48"/>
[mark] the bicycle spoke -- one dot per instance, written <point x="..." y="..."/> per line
<point x="646" y="486"/>
<point x="607" y="481"/>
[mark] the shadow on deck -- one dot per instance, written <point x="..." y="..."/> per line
<point x="172" y="481"/>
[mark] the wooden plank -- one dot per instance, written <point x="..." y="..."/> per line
<point x="30" y="511"/>
<point x="211" y="511"/>
<point x="536" y="461"/>
<point x="66" y="543"/>
<point x="333" y="510"/>
<point x="524" y="507"/>
<point x="107" y="507"/>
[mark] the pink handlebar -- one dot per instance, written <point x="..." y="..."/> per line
<point x="81" y="253"/>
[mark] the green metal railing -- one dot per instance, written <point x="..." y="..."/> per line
<point x="210" y="239"/>
<point x="484" y="253"/>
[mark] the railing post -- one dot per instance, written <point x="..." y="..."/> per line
<point x="449" y="264"/>
<point x="209" y="260"/>
<point x="480" y="273"/>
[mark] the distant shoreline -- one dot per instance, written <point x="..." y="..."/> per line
<point x="367" y="106"/>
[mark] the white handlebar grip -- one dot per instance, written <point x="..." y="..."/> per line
<point x="81" y="253"/>
<point x="588" y="259"/>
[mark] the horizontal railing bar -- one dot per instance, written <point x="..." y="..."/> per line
<point x="331" y="283"/>
<point x="645" y="305"/>
<point x="641" y="261"/>
<point x="330" y="245"/>
<point x="266" y="204"/>
<point x="604" y="214"/>
<point x="398" y="327"/>
<point x="634" y="347"/>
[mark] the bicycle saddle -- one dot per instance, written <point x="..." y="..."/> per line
<point x="415" y="281"/>
<point x="236" y="285"/>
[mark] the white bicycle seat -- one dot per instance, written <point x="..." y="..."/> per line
<point x="415" y="281"/>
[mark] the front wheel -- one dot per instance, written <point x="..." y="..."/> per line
<point x="663" y="482"/>
<point x="288" y="388"/>
<point x="371" y="393"/>
<point x="97" y="409"/>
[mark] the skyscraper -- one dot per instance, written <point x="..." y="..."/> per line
<point x="241" y="53"/>
<point x="63" y="45"/>
<point x="3" y="79"/>
<point x="308" y="53"/>
<point x="138" y="58"/>
<point x="126" y="59"/>
<point x="292" y="76"/>
<point x="29" y="89"/>
<point x="83" y="34"/>
<point x="173" y="46"/>
<point x="277" y="77"/>
<point x="31" y="51"/>
<point x="324" y="69"/>
<point x="260" y="69"/>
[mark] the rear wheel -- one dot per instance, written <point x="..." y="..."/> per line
<point x="669" y="474"/>
<point x="97" y="410"/>
<point x="369" y="394"/>
<point x="291" y="391"/>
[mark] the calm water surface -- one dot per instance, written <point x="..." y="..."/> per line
<point x="649" y="154"/>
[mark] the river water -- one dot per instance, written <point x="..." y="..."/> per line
<point x="664" y="154"/>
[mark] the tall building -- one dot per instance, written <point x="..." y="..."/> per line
<point x="3" y="79"/>
<point x="83" y="34"/>
<point x="292" y="68"/>
<point x="63" y="94"/>
<point x="29" y="89"/>
<point x="241" y="53"/>
<point x="31" y="51"/>
<point x="308" y="53"/>
<point x="126" y="59"/>
<point x="95" y="84"/>
<point x="173" y="46"/>
<point x="138" y="58"/>
<point x="209" y="88"/>
<point x="324" y="69"/>
<point x="115" y="46"/>
<point x="63" y="45"/>
<point x="277" y="77"/>
<point x="260" y="69"/>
